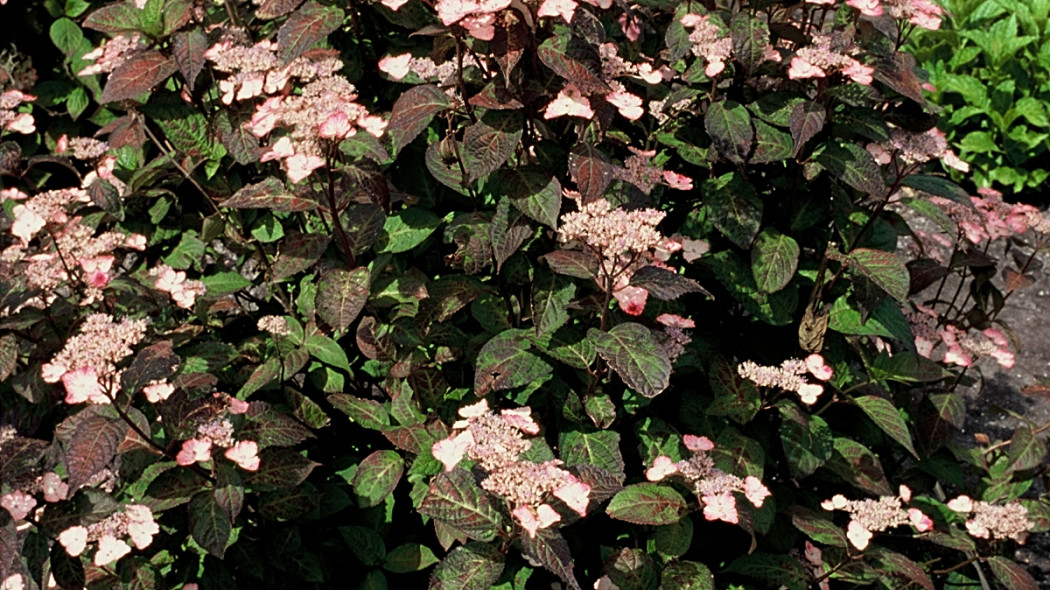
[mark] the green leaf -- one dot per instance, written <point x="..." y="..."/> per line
<point x="271" y="194"/>
<point x="1026" y="449"/>
<point x="368" y="413"/>
<point x="551" y="295"/>
<point x="853" y="165"/>
<point x="376" y="477"/>
<point x="885" y="415"/>
<point x="209" y="523"/>
<point x="647" y="503"/>
<point x="454" y="498"/>
<point x="66" y="36"/>
<point x="298" y="252"/>
<point x="410" y="557"/>
<point x="979" y="142"/>
<point x="776" y="570"/>
<point x="491" y="141"/>
<point x="817" y="526"/>
<point x="673" y="540"/>
<point x="807" y="440"/>
<point x="735" y="396"/>
<point x="327" y="351"/>
<point x="600" y="449"/>
<point x="938" y="186"/>
<point x="774" y="259"/>
<point x="365" y="543"/>
<point x="632" y="569"/>
<point x="687" y="575"/>
<point x="884" y="269"/>
<point x="729" y="125"/>
<point x="445" y="164"/>
<point x="534" y="192"/>
<point x="771" y="144"/>
<point x="305" y="27"/>
<point x="635" y="355"/>
<point x="907" y="367"/>
<point x="750" y="38"/>
<point x="224" y="282"/>
<point x="899" y="567"/>
<point x="505" y="362"/>
<point x="341" y="295"/>
<point x="406" y="230"/>
<point x="734" y="207"/>
<point x="886" y="319"/>
<point x="474" y="566"/>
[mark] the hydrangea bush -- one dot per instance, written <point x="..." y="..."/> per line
<point x="471" y="294"/>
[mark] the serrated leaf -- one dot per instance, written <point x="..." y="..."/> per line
<point x="341" y="295"/>
<point x="173" y="488"/>
<point x="735" y="396"/>
<point x="886" y="319"/>
<point x="900" y="567"/>
<point x="884" y="269"/>
<point x="853" y="165"/>
<point x="8" y="355"/>
<point x="507" y="232"/>
<point x="1011" y="574"/>
<point x="456" y="499"/>
<point x="774" y="260"/>
<point x="376" y="477"/>
<point x="491" y="141"/>
<point x="575" y="60"/>
<point x="750" y="38"/>
<point x="66" y="36"/>
<point x="279" y="469"/>
<point x="771" y="144"/>
<point x="734" y="207"/>
<point x="271" y="428"/>
<point x="664" y="284"/>
<point x="235" y="137"/>
<point x="412" y="112"/>
<point x="551" y="295"/>
<point x="474" y="566"/>
<point x="271" y="9"/>
<point x="635" y="355"/>
<point x="534" y="192"/>
<point x="157" y="361"/>
<point x="729" y="125"/>
<point x="885" y="415"/>
<point x="806" y="120"/>
<point x="857" y="465"/>
<point x="298" y="253"/>
<point x="550" y="549"/>
<point x="1026" y="449"/>
<point x="368" y="413"/>
<point x="591" y="170"/>
<point x="647" y="503"/>
<point x="806" y="439"/>
<point x="225" y="282"/>
<point x="304" y="28"/>
<point x="189" y="47"/>
<point x="409" y="557"/>
<point x="91" y="448"/>
<point x="938" y="186"/>
<point x="599" y="449"/>
<point x="139" y="74"/>
<point x="229" y="491"/>
<point x="115" y="18"/>
<point x="817" y="527"/>
<point x="406" y="230"/>
<point x="209" y="523"/>
<point x="673" y="540"/>
<point x="271" y="194"/>
<point x="505" y="362"/>
<point x="573" y="263"/>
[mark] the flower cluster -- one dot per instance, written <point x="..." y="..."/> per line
<point x="86" y="366"/>
<point x="829" y="54"/>
<point x="869" y="516"/>
<point x="639" y="170"/>
<point x="709" y="41"/>
<point x="921" y="13"/>
<point x="911" y="148"/>
<point x="216" y="430"/>
<point x="324" y="109"/>
<point x="494" y="442"/>
<point x="988" y="521"/>
<point x="274" y="324"/>
<point x="714" y="487"/>
<point x="81" y="148"/>
<point x="20" y="501"/>
<point x="183" y="292"/>
<point x="790" y="376"/>
<point x="112" y="53"/>
<point x="574" y="102"/>
<point x="136" y="522"/>
<point x="10" y="118"/>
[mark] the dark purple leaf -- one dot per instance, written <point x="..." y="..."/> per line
<point x="490" y="142"/>
<point x="115" y="18"/>
<point x="665" y="284"/>
<point x="576" y="61"/>
<point x="729" y="125"/>
<point x="189" y="47"/>
<point x="157" y="361"/>
<point x="298" y="253"/>
<point x="509" y="43"/>
<point x="209" y="524"/>
<point x="268" y="194"/>
<point x="647" y="503"/>
<point x="279" y="469"/>
<point x="303" y="29"/>
<point x="591" y="170"/>
<point x="456" y="499"/>
<point x="635" y="355"/>
<point x="271" y="9"/>
<point x="807" y="119"/>
<point x="534" y="192"/>
<point x="474" y="566"/>
<point x="341" y="295"/>
<point x="413" y="111"/>
<point x="376" y="477"/>
<point x="368" y="413"/>
<point x="507" y="232"/>
<point x="139" y="74"/>
<point x="551" y="550"/>
<point x="92" y="447"/>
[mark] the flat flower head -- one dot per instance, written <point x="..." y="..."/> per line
<point x="110" y="549"/>
<point x="74" y="539"/>
<point x="245" y="454"/>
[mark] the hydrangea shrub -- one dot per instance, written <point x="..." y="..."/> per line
<point x="496" y="294"/>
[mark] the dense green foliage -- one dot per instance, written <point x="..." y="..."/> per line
<point x="496" y="294"/>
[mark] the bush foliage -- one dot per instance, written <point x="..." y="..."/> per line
<point x="493" y="294"/>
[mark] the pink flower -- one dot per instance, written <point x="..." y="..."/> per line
<point x="110" y="549"/>
<point x="194" y="451"/>
<point x="631" y="299"/>
<point x="651" y="76"/>
<point x="141" y="526"/>
<point x="96" y="270"/>
<point x="245" y="454"/>
<point x="74" y="539"/>
<point x="396" y="66"/>
<point x="866" y="7"/>
<point x="905" y="493"/>
<point x="55" y="490"/>
<point x="237" y="406"/>
<point x="920" y="521"/>
<point x="280" y="150"/>
<point x="570" y="101"/>
<point x="27" y="223"/>
<point x="677" y="181"/>
<point x="629" y="27"/>
<point x="82" y="386"/>
<point x="62" y="144"/>
<point x="754" y="491"/>
<point x="675" y="321"/>
<point x="336" y="126"/>
<point x="818" y="368"/>
<point x="662" y="467"/>
<point x="697" y="444"/>
<point x="576" y="496"/>
<point x="629" y="105"/>
<point x="23" y="123"/>
<point x="562" y="8"/>
<point x="810" y="392"/>
<point x="859" y="73"/>
<point x="721" y="507"/>
<point x="300" y="166"/>
<point x="393" y="4"/>
<point x="18" y="504"/>
<point x="157" y="392"/>
<point x="531" y="521"/>
<point x="451" y="450"/>
<point x="858" y="535"/>
<point x="961" y="504"/>
<point x="520" y="418"/>
<point x="801" y="69"/>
